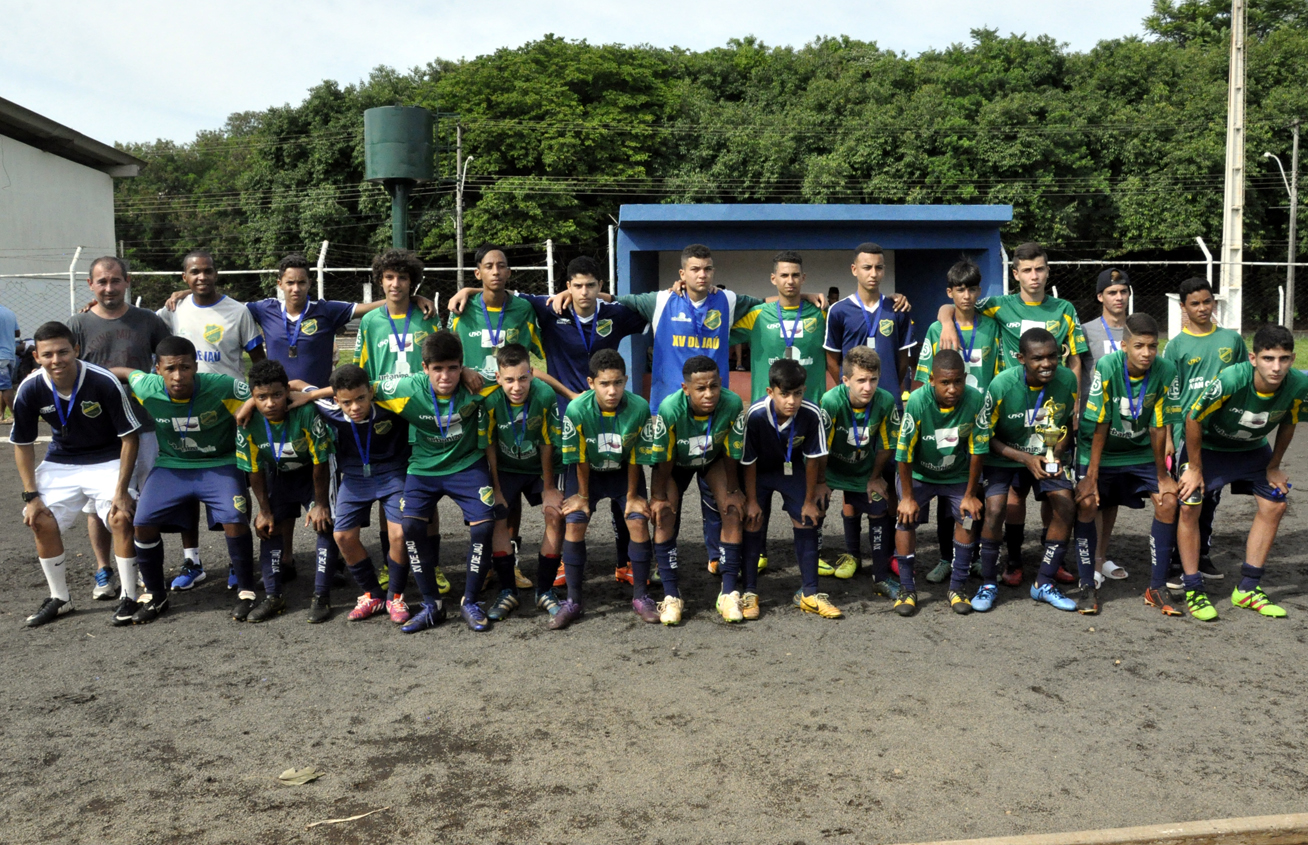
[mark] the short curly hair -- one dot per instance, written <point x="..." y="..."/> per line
<point x="404" y="261"/>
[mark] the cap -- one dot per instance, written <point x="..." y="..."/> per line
<point x="1112" y="276"/>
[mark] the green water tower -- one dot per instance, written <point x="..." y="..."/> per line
<point x="397" y="151"/>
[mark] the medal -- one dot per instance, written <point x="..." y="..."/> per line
<point x="364" y="452"/>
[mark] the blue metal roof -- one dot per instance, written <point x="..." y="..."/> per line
<point x="635" y="216"/>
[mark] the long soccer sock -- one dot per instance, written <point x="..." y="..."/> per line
<point x="325" y="565"/>
<point x="424" y="570"/>
<point x="150" y="559"/>
<point x="365" y="575"/>
<point x="270" y="562"/>
<point x="621" y="534"/>
<point x="503" y="564"/>
<point x="989" y="562"/>
<point x="666" y="555"/>
<point x="1207" y="511"/>
<point x="240" y="550"/>
<point x="1087" y="543"/>
<point x="479" y="543"/>
<point x="1250" y="575"/>
<point x="127" y="575"/>
<point x="1193" y="583"/>
<point x="806" y="554"/>
<point x="385" y="535"/>
<point x="1013" y="540"/>
<point x="731" y="559"/>
<point x="712" y="529"/>
<point x="962" y="566"/>
<point x="397" y="574"/>
<point x="1052" y="559"/>
<point x="945" y="530"/>
<point x="55" y="576"/>
<point x="1161" y="539"/>
<point x="574" y="567"/>
<point x="640" y="555"/>
<point x="547" y="569"/>
<point x="853" y="534"/>
<point x="879" y="530"/>
<point x="907" y="577"/>
<point x="750" y="550"/>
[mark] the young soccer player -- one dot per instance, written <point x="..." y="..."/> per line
<point x="697" y="434"/>
<point x="785" y="452"/>
<point x="865" y="318"/>
<point x="91" y="459"/>
<point x="492" y="318"/>
<point x="1134" y="399"/>
<point x="791" y="327"/>
<point x="939" y="418"/>
<point x="285" y="452"/>
<point x="862" y="430"/>
<point x="600" y="429"/>
<point x="1226" y="443"/>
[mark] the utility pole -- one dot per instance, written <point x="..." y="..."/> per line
<point x="1232" y="254"/>
<point x="1294" y="225"/>
<point x="458" y="198"/>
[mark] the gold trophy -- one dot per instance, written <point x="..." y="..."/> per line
<point x="1052" y="435"/>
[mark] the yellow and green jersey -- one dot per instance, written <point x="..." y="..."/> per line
<point x="1016" y="316"/>
<point x="855" y="437"/>
<point x="1198" y="359"/>
<point x="980" y="349"/>
<point x="193" y="433"/>
<point x="520" y="431"/>
<point x="301" y="440"/>
<point x="448" y="433"/>
<point x="1013" y="408"/>
<point x="1237" y="418"/>
<point x="1131" y="406"/>
<point x="936" y="442"/>
<point x="678" y="434"/>
<point x="483" y="330"/>
<point x="389" y="347"/>
<point x="603" y="439"/>
<point x="775" y="332"/>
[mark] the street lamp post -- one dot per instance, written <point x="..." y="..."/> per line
<point x="1292" y="188"/>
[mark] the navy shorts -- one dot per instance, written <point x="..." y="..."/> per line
<point x="1244" y="472"/>
<point x="1127" y="486"/>
<point x="355" y="495"/>
<point x="681" y="476"/>
<point x="515" y="484"/>
<point x="792" y="488"/>
<point x="289" y="492"/>
<point x="168" y="493"/>
<point x="603" y="485"/>
<point x="470" y="489"/>
<point x="861" y="504"/>
<point x="924" y="493"/>
<point x="999" y="480"/>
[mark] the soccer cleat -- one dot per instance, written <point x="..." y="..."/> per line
<point x="906" y="603"/>
<point x="1154" y="598"/>
<point x="1052" y="596"/>
<point x="1012" y="576"/>
<point x="1062" y="576"/>
<point x="268" y="608"/>
<point x="715" y="566"/>
<point x="365" y="607"/>
<point x="959" y="603"/>
<point x="985" y="597"/>
<point x="473" y="616"/>
<point x="191" y="574"/>
<point x="846" y="566"/>
<point x="1087" y="600"/>
<point x="123" y="614"/>
<point x="51" y="609"/>
<point x="825" y="569"/>
<point x="762" y="562"/>
<point x="320" y="609"/>
<point x="940" y="572"/>
<point x="548" y="602"/>
<point x="623" y="575"/>
<point x="442" y="583"/>
<point x="1256" y="599"/>
<point x="670" y="610"/>
<point x="289" y="572"/>
<point x="888" y="587"/>
<point x="397" y="609"/>
<point x="151" y="608"/>
<point x="522" y="581"/>
<point x="569" y="611"/>
<point x="430" y="616"/>
<point x="749" y="606"/>
<point x="1210" y="572"/>
<point x="1196" y="601"/>
<point x="819" y="603"/>
<point x="729" y="606"/>
<point x="384" y="575"/>
<point x="654" y="576"/>
<point x="105" y="588"/>
<point x="560" y="580"/>
<point x="646" y="608"/>
<point x="505" y="603"/>
<point x="244" y="604"/>
<point x="232" y="582"/>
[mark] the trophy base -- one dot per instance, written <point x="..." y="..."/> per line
<point x="1052" y="467"/>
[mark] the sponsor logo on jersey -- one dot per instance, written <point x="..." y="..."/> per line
<point x="213" y="333"/>
<point x="1226" y="354"/>
<point x="887" y="328"/>
<point x="1192" y="361"/>
<point x="240" y="503"/>
<point x="309" y="327"/>
<point x="738" y="427"/>
<point x="91" y="409"/>
<point x="826" y="418"/>
<point x="604" y="328"/>
<point x="655" y="428"/>
<point x="240" y="440"/>
<point x="1174" y="392"/>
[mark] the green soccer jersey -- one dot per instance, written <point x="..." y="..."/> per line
<point x="797" y="333"/>
<point x="484" y="330"/>
<point x="1237" y="418"/>
<point x="448" y="434"/>
<point x="378" y="347"/>
<point x="1013" y="409"/>
<point x="1198" y="359"/>
<point x="1129" y="414"/>
<point x="196" y="433"/>
<point x="605" y="440"/>
<point x="1015" y="316"/>
<point x="692" y="440"/>
<point x="981" y="350"/>
<point x="930" y="437"/>
<point x="855" y="437"/>
<point x="520" y="431"/>
<point x="299" y="441"/>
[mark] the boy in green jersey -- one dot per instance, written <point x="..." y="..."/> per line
<point x="194" y="416"/>
<point x="939" y="419"/>
<point x="389" y="343"/>
<point x="792" y="327"/>
<point x="285" y="452"/>
<point x="698" y="433"/>
<point x="522" y="419"/>
<point x="1037" y="395"/>
<point x="600" y="430"/>
<point x="492" y="318"/>
<point x="1226" y="443"/>
<point x="862" y="429"/>
<point x="1134" y="399"/>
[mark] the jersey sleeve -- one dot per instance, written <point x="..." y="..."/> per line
<point x="360" y="356"/>
<point x="1167" y="410"/>
<point x="652" y="446"/>
<point x="251" y="333"/>
<point x="978" y="442"/>
<point x="988" y="306"/>
<point x="1075" y="334"/>
<point x="1213" y="397"/>
<point x="888" y="429"/>
<point x="641" y="303"/>
<point x="247" y="451"/>
<point x="926" y="357"/>
<point x="338" y="313"/>
<point x="743" y="328"/>
<point x="906" y="331"/>
<point x="26" y="418"/>
<point x="816" y="447"/>
<point x="120" y="410"/>
<point x="550" y="432"/>
<point x="906" y="445"/>
<point x="746" y="303"/>
<point x="571" y="438"/>
<point x="748" y="452"/>
<point x="169" y="318"/>
<point x="158" y="331"/>
<point x="138" y="383"/>
<point x="835" y="332"/>
<point x="321" y="443"/>
<point x="1098" y="398"/>
<point x="736" y="436"/>
<point x="533" y="330"/>
<point x="235" y="391"/>
<point x="485" y="421"/>
<point x="627" y="322"/>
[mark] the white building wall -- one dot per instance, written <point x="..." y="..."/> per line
<point x="49" y="206"/>
<point x="749" y="271"/>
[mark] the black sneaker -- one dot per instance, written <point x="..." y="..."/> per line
<point x="126" y="609"/>
<point x="245" y="603"/>
<point x="288" y="571"/>
<point x="320" y="609"/>
<point x="51" y="608"/>
<point x="1206" y="569"/>
<point x="1087" y="600"/>
<point x="150" y="608"/>
<point x="267" y="609"/>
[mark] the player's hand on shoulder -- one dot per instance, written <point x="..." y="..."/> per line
<point x="246" y="413"/>
<point x="472" y="380"/>
<point x="459" y="300"/>
<point x="426" y="306"/>
<point x="174" y="298"/>
<point x="560" y="301"/>
<point x="900" y="303"/>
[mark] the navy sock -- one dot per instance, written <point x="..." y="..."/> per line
<point x="423" y="568"/>
<point x="479" y="543"/>
<point x="749" y="552"/>
<point x="806" y="553"/>
<point x="666" y="555"/>
<point x="385" y="536"/>
<point x="1087" y="543"/>
<point x="574" y="567"/>
<point x="1250" y="575"/>
<point x="1013" y="539"/>
<point x="730" y="569"/>
<point x="547" y="569"/>
<point x="640" y="555"/>
<point x="989" y="561"/>
<point x="962" y="566"/>
<point x="945" y="530"/>
<point x="503" y="563"/>
<point x="150" y="562"/>
<point x="621" y="534"/>
<point x="270" y="563"/>
<point x="326" y="565"/>
<point x="1053" y="558"/>
<point x="1161" y="539"/>
<point x="712" y="529"/>
<point x="879" y="530"/>
<point x="240" y="550"/>
<point x="1193" y="583"/>
<point x="365" y="575"/>
<point x="399" y="576"/>
<point x="1207" y="511"/>
<point x="853" y="534"/>
<point x="907" y="577"/>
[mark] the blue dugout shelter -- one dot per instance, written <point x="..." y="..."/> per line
<point x="921" y="243"/>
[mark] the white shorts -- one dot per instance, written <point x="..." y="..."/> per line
<point x="66" y="489"/>
<point x="145" y="458"/>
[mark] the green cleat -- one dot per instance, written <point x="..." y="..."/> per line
<point x="825" y="569"/>
<point x="940" y="572"/>
<point x="846" y="566"/>
<point x="1199" y="606"/>
<point x="1257" y="600"/>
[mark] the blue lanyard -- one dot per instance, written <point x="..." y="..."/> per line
<point x="790" y="446"/>
<point x="281" y="447"/>
<point x="72" y="400"/>
<point x="1108" y="332"/>
<point x="789" y="338"/>
<point x="867" y="321"/>
<point x="189" y="406"/>
<point x="497" y="334"/>
<point x="971" y="341"/>
<point x="576" y="321"/>
<point x="708" y="432"/>
<point x="513" y="422"/>
<point x="436" y="408"/>
<point x="365" y="453"/>
<point x="858" y="438"/>
<point x="399" y="338"/>
<point x="1137" y="408"/>
<point x="293" y="340"/>
<point x="1039" y="401"/>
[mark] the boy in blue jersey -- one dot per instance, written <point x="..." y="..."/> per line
<point x="866" y="318"/>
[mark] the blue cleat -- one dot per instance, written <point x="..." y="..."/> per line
<point x="430" y="616"/>
<point x="191" y="575"/>
<point x="474" y="616"/>
<point x="1050" y="594"/>
<point x="985" y="598"/>
<point x="232" y="583"/>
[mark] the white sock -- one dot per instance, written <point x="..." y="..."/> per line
<point x="55" y="576"/>
<point x="127" y="575"/>
<point x="193" y="555"/>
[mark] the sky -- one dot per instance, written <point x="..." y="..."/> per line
<point x="150" y="69"/>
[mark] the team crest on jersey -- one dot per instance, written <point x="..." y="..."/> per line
<point x="810" y="325"/>
<point x="213" y="333"/>
<point x="241" y="390"/>
<point x="604" y="328"/>
<point x="382" y="427"/>
<point x="1226" y="354"/>
<point x="418" y="337"/>
<point x="300" y="445"/>
<point x="91" y="409"/>
<point x="467" y="410"/>
<point x="309" y="327"/>
<point x="654" y="428"/>
<point x="209" y="418"/>
<point x="713" y="320"/>
<point x="487" y="495"/>
<point x="240" y="503"/>
<point x="1051" y="325"/>
<point x="887" y="328"/>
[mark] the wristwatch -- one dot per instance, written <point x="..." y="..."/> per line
<point x="27" y="497"/>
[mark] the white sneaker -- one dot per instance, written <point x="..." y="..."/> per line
<point x="670" y="611"/>
<point x="729" y="607"/>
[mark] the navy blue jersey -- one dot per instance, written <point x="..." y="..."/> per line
<point x="314" y="334"/>
<point x="569" y="342"/>
<point x="849" y="324"/>
<point x="388" y="451"/>
<point x="803" y="436"/>
<point x="86" y="426"/>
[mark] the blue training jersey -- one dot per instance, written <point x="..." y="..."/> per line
<point x="569" y="342"/>
<point x="387" y="447"/>
<point x="314" y="333"/>
<point x="86" y="427"/>
<point x="683" y="330"/>
<point x="849" y="324"/>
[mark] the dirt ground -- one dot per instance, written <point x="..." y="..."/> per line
<point x="790" y="729"/>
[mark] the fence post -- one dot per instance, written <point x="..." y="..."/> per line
<point x="72" y="283"/>
<point x="1208" y="260"/>
<point x="549" y="264"/>
<point x="322" y="262"/>
<point x="1004" y="254"/>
